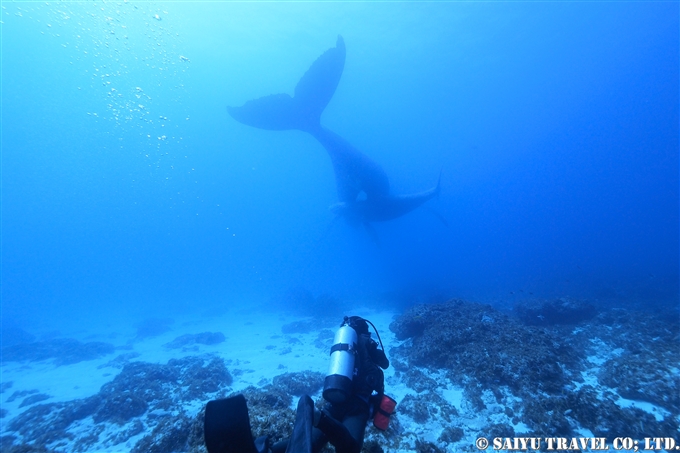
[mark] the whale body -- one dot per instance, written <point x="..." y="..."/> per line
<point x="362" y="185"/>
<point x="381" y="209"/>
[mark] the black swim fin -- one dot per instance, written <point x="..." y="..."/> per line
<point x="312" y="94"/>
<point x="227" y="426"/>
<point x="301" y="440"/>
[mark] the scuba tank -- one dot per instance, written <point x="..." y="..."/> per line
<point x="338" y="383"/>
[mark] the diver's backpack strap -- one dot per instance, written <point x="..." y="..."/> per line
<point x="343" y="347"/>
<point x="227" y="426"/>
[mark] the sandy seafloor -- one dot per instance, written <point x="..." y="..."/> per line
<point x="255" y="350"/>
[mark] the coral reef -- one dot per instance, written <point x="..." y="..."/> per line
<point x="206" y="338"/>
<point x="539" y="312"/>
<point x="462" y="370"/>
<point x="20" y="394"/>
<point x="325" y="339"/>
<point x="64" y="351"/>
<point x="12" y="334"/>
<point x="34" y="399"/>
<point x="416" y="379"/>
<point x="120" y="361"/>
<point x="498" y="430"/>
<point x="647" y="367"/>
<point x="270" y="412"/>
<point x="451" y="434"/>
<point x="300" y="383"/>
<point x="421" y="408"/>
<point x="596" y="411"/>
<point x="152" y="327"/>
<point x="645" y="376"/>
<point x="471" y="340"/>
<point x="27" y="449"/>
<point x="158" y="392"/>
<point x="169" y="435"/>
<point x="630" y="355"/>
<point x="415" y="407"/>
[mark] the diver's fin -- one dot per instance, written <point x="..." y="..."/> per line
<point x="312" y="93"/>
<point x="227" y="426"/>
<point x="301" y="440"/>
<point x="337" y="433"/>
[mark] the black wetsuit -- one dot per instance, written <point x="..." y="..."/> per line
<point x="344" y="424"/>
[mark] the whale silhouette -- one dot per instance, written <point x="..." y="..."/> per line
<point x="355" y="172"/>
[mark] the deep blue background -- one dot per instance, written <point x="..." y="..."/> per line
<point x="555" y="124"/>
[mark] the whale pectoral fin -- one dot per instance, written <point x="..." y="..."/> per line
<point x="316" y="87"/>
<point x="438" y="215"/>
<point x="438" y="189"/>
<point x="372" y="233"/>
<point x="275" y="112"/>
<point x="346" y="184"/>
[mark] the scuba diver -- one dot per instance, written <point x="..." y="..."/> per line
<point x="354" y="391"/>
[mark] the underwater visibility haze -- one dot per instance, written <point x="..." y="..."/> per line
<point x="129" y="192"/>
<point x="126" y="184"/>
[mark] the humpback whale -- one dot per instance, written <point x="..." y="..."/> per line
<point x="355" y="172"/>
<point x="381" y="209"/>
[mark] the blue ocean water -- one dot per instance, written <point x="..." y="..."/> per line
<point x="128" y="191"/>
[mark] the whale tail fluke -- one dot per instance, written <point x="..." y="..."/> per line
<point x="317" y="86"/>
<point x="438" y="189"/>
<point x="276" y="112"/>
<point x="302" y="111"/>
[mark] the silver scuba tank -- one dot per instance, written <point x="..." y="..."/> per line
<point x="338" y="383"/>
